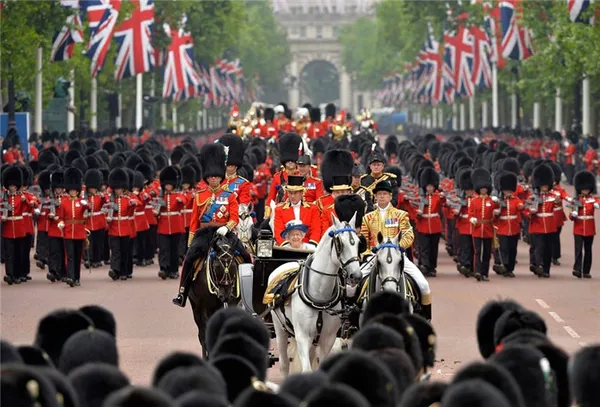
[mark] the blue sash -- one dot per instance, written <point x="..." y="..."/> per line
<point x="208" y="215"/>
<point x="235" y="185"/>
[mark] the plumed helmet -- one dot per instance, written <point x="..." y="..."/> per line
<point x="118" y="178"/>
<point x="463" y="179"/>
<point x="543" y="175"/>
<point x="289" y="147"/>
<point x="73" y="179"/>
<point x="585" y="180"/>
<point x="235" y="155"/>
<point x="481" y="178"/>
<point x="346" y="206"/>
<point x="169" y="175"/>
<point x="429" y="177"/>
<point x="12" y="176"/>
<point x="93" y="179"/>
<point x="188" y="175"/>
<point x="212" y="160"/>
<point x="336" y="169"/>
<point x="507" y="181"/>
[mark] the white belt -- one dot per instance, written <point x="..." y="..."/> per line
<point x="431" y="215"/>
<point x="545" y="215"/>
<point x="464" y="216"/>
<point x="558" y="209"/>
<point x="26" y="214"/>
<point x="170" y="213"/>
<point x="14" y="218"/>
<point x="585" y="217"/>
<point x="140" y="214"/>
<point x="96" y="213"/>
<point x="508" y="217"/>
<point x="123" y="218"/>
<point x="149" y="207"/>
<point x="187" y="211"/>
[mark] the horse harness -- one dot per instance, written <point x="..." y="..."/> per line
<point x="225" y="260"/>
<point x="390" y="246"/>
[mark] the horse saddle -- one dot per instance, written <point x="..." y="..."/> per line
<point x="282" y="286"/>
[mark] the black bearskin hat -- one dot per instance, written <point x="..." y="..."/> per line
<point x="93" y="179"/>
<point x="330" y="110"/>
<point x="118" y="178"/>
<point x="57" y="179"/>
<point x="269" y="114"/>
<point x="315" y="115"/>
<point x="556" y="170"/>
<point x="177" y="154"/>
<point x="593" y="143"/>
<point x="318" y="146"/>
<point x="73" y="179"/>
<point x="391" y="146"/>
<point x="543" y="175"/>
<point x="169" y="175"/>
<point x="507" y="181"/>
<point x="585" y="180"/>
<point x="12" y="176"/>
<point x="161" y="161"/>
<point x="188" y="175"/>
<point x="130" y="175"/>
<point x="584" y="374"/>
<point x="511" y="165"/>
<point x="44" y="180"/>
<point x="235" y="155"/>
<point x="289" y="147"/>
<point x="481" y="179"/>
<point x="138" y="180"/>
<point x="346" y="206"/>
<point x="429" y="177"/>
<point x="212" y="160"/>
<point x="147" y="170"/>
<point x="336" y="163"/>
<point x="463" y="179"/>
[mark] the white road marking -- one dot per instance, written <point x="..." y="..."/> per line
<point x="571" y="332"/>
<point x="542" y="303"/>
<point x="556" y="317"/>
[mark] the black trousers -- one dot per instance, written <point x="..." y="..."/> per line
<point x="583" y="253"/>
<point x="152" y="241"/>
<point x="465" y="250"/>
<point x="130" y="257"/>
<point x="428" y="249"/>
<point x="483" y="253"/>
<point x="183" y="243"/>
<point x="450" y="233"/>
<point x="56" y="257"/>
<point x="13" y="249"/>
<point x="569" y="173"/>
<point x="41" y="247"/>
<point x="259" y="209"/>
<point x="25" y="252"/>
<point x="141" y="245"/>
<point x="96" y="251"/>
<point x="119" y="254"/>
<point x="106" y="247"/>
<point x="556" y="245"/>
<point x="508" y="251"/>
<point x="542" y="244"/>
<point x="168" y="255"/>
<point x="74" y="250"/>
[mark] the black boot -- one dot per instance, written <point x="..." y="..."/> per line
<point x="181" y="298"/>
<point x="426" y="312"/>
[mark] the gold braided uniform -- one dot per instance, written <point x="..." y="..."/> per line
<point x="394" y="221"/>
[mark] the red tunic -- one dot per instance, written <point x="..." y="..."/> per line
<point x="482" y="209"/>
<point x="559" y="213"/>
<point x="96" y="218"/>
<point x="542" y="220"/>
<point x="189" y="206"/>
<point x="152" y="192"/>
<point x="32" y="202"/>
<point x="262" y="174"/>
<point x="240" y="187"/>
<point x="120" y="225"/>
<point x="314" y="189"/>
<point x="13" y="226"/>
<point x="309" y="215"/>
<point x="71" y="213"/>
<point x="508" y="222"/>
<point x="140" y="218"/>
<point x="170" y="219"/>
<point x="214" y="206"/>
<point x="569" y="153"/>
<point x="591" y="159"/>
<point x="43" y="221"/>
<point x="429" y="222"/>
<point x="585" y="224"/>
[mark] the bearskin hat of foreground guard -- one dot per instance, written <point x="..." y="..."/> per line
<point x="212" y="160"/>
<point x="481" y="179"/>
<point x="542" y="175"/>
<point x="118" y="178"/>
<point x="169" y="176"/>
<point x="290" y="146"/>
<point x="507" y="181"/>
<point x="346" y="206"/>
<point x="12" y="176"/>
<point x="585" y="180"/>
<point x="429" y="177"/>
<point x="93" y="179"/>
<point x="336" y="169"/>
<point x="73" y="179"/>
<point x="235" y="155"/>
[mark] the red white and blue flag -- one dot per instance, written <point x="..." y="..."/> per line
<point x="71" y="33"/>
<point x="180" y="74"/>
<point x="460" y="50"/>
<point x="516" y="39"/>
<point x="481" y="69"/>
<point x="576" y="10"/>
<point x="134" y="40"/>
<point x="102" y="16"/>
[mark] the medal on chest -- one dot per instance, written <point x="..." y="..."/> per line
<point x="391" y="222"/>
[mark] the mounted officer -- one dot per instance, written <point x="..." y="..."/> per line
<point x="376" y="161"/>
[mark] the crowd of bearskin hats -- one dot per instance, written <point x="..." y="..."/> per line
<point x="74" y="361"/>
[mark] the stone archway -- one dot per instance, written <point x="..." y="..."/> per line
<point x="319" y="83"/>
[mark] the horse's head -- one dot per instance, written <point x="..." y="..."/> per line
<point x="390" y="263"/>
<point x="345" y="243"/>
<point x="223" y="267"/>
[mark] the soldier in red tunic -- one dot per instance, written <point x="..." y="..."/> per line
<point x="296" y="208"/>
<point x="151" y="190"/>
<point x="289" y="147"/>
<point x="41" y="247"/>
<point x="142" y="227"/>
<point x="239" y="186"/>
<point x="32" y="205"/>
<point x="313" y="185"/>
<point x="569" y="155"/>
<point x="481" y="216"/>
<point x="584" y="225"/>
<point x="508" y="224"/>
<point x="71" y="216"/>
<point x="464" y="228"/>
<point x="559" y="213"/>
<point x="56" y="257"/>
<point x="96" y="220"/>
<point x="12" y="206"/>
<point x="214" y="205"/>
<point x="428" y="221"/>
<point x="282" y="122"/>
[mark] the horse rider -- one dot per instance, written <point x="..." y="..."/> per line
<point x="214" y="205"/>
<point x="390" y="221"/>
<point x="294" y="233"/>
<point x="235" y="159"/>
<point x="376" y="161"/>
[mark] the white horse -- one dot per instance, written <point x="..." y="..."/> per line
<point x="312" y="314"/>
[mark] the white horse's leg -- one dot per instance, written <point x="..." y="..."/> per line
<point x="304" y="343"/>
<point x="331" y="325"/>
<point x="281" y="337"/>
<point x="304" y="320"/>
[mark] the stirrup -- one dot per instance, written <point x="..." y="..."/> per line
<point x="180" y="300"/>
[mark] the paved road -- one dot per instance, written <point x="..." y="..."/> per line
<point x="149" y="327"/>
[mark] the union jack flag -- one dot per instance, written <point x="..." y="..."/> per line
<point x="102" y="16"/>
<point x="460" y="50"/>
<point x="493" y="27"/>
<point x="577" y="8"/>
<point x="435" y="86"/>
<point x="180" y="75"/>
<point x="64" y="41"/>
<point x="516" y="40"/>
<point x="481" y="69"/>
<point x="134" y="39"/>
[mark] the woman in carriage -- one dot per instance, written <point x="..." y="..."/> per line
<point x="294" y="233"/>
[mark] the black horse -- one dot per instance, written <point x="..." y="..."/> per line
<point x="216" y="259"/>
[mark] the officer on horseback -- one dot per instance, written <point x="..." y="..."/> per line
<point x="390" y="222"/>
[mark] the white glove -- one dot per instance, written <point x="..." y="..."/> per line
<point x="473" y="221"/>
<point x="496" y="211"/>
<point x="84" y="202"/>
<point x="37" y="211"/>
<point x="222" y="231"/>
<point x="574" y="214"/>
<point x="61" y="225"/>
<point x="597" y="205"/>
<point x="495" y="199"/>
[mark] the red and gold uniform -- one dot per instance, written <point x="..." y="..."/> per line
<point x="508" y="229"/>
<point x="214" y="207"/>
<point x="542" y="227"/>
<point x="279" y="179"/>
<point x="240" y="187"/>
<point x="591" y="160"/>
<point x="283" y="124"/>
<point x="389" y="221"/>
<point x="313" y="189"/>
<point x="96" y="224"/>
<point x="306" y="212"/>
<point x="70" y="216"/>
<point x="13" y="235"/>
<point x="171" y="229"/>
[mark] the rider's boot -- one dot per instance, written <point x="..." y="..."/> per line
<point x="181" y="298"/>
<point x="426" y="311"/>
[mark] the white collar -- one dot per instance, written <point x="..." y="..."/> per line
<point x="384" y="209"/>
<point x="297" y="205"/>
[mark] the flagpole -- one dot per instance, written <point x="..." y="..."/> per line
<point x="558" y="111"/>
<point x="434" y="119"/>
<point x="537" y="113"/>
<point x="513" y="110"/>
<point x="585" y="119"/>
<point x="38" y="91"/>
<point x="454" y="117"/>
<point x="462" y="116"/>
<point x="484" y="114"/>
<point x="495" y="115"/>
<point x="94" y="105"/>
<point x="472" y="112"/>
<point x="139" y="90"/>
<point x="174" y="117"/>
<point x="119" y="118"/>
<point x="71" y="112"/>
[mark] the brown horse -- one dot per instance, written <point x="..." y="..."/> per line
<point x="215" y="259"/>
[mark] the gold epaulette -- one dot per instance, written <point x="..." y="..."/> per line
<point x="314" y="165"/>
<point x="364" y="175"/>
<point x="306" y="204"/>
<point x="389" y="174"/>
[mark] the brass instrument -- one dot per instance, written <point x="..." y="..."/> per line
<point x="338" y="132"/>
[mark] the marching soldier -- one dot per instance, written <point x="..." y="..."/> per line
<point x="71" y="216"/>
<point x="96" y="220"/>
<point x="428" y="223"/>
<point x="376" y="162"/>
<point x="390" y="222"/>
<point x="463" y="226"/>
<point x="30" y="209"/>
<point x="151" y="190"/>
<point x="569" y="155"/>
<point x="481" y="216"/>
<point x="296" y="208"/>
<point x="170" y="224"/>
<point x="188" y="180"/>
<point x="540" y="211"/>
<point x="508" y="224"/>
<point x="56" y="257"/>
<point x="584" y="225"/>
<point x="315" y="130"/>
<point x="214" y="205"/>
<point x="329" y="121"/>
<point x="268" y="129"/>
<point x="134" y="205"/>
<point x="559" y="214"/>
<point x="41" y="248"/>
<point x="282" y="123"/>
<point x="142" y="227"/>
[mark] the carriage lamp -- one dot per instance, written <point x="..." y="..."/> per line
<point x="264" y="244"/>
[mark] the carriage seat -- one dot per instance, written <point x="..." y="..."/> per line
<point x="282" y="286"/>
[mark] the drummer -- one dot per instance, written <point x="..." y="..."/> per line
<point x="293" y="234"/>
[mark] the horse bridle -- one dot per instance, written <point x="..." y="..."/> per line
<point x="336" y="243"/>
<point x="224" y="259"/>
<point x="388" y="260"/>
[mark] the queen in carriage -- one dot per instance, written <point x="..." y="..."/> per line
<point x="293" y="234"/>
